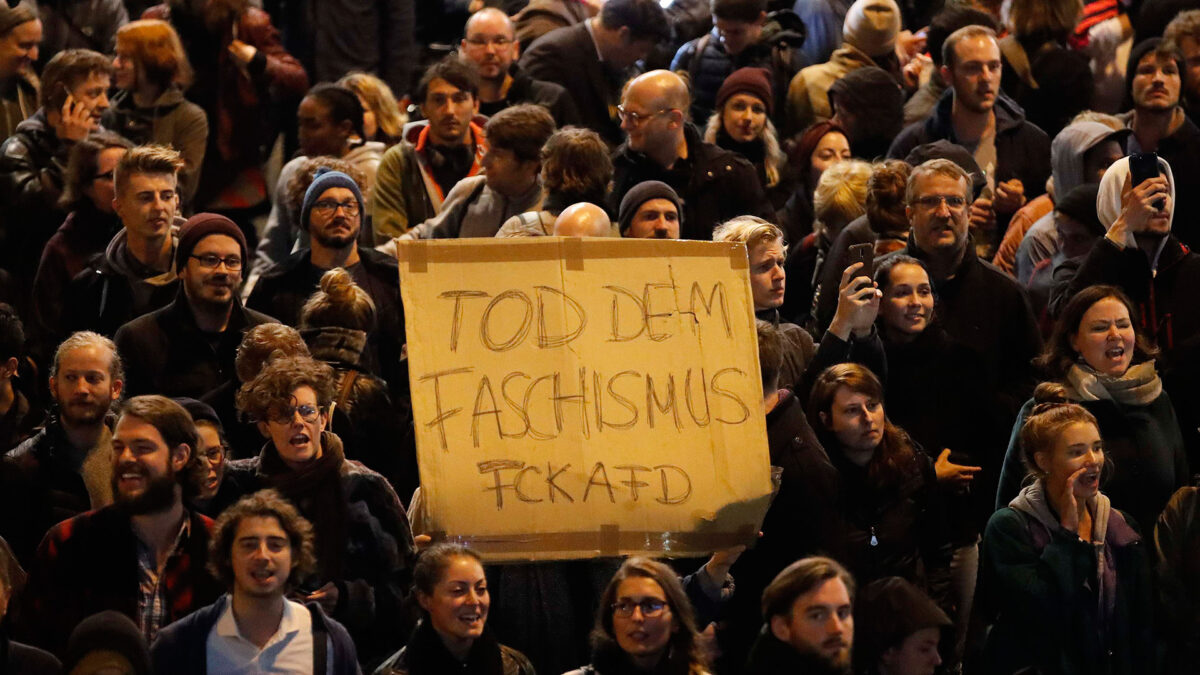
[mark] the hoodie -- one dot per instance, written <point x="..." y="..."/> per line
<point x="170" y="120"/>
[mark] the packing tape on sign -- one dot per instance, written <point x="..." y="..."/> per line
<point x="610" y="540"/>
<point x="572" y="253"/>
<point x="738" y="259"/>
<point x="415" y="253"/>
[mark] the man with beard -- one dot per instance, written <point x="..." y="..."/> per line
<point x="809" y="625"/>
<point x="66" y="468"/>
<point x="134" y="274"/>
<point x="188" y="347"/>
<point x="1159" y="124"/>
<point x="434" y="154"/>
<point x="332" y="212"/>
<point x="144" y="555"/>
<point x="1013" y="153"/>
<point x="651" y="210"/>
<point x="491" y="44"/>
<point x="262" y="548"/>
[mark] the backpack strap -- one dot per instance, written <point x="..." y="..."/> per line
<point x="698" y="56"/>
<point x="320" y="635"/>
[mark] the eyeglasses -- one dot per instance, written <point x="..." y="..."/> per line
<point x="636" y="119"/>
<point x="211" y="261"/>
<point x="650" y="607"/>
<point x="327" y="207"/>
<point x="214" y="455"/>
<point x="308" y="413"/>
<point x="501" y="42"/>
<point x="932" y="202"/>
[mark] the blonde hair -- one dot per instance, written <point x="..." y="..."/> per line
<point x="379" y="99"/>
<point x="748" y="230"/>
<point x="146" y="159"/>
<point x="773" y="156"/>
<point x="338" y="303"/>
<point x="841" y="195"/>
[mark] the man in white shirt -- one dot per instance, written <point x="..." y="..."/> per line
<point x="259" y="545"/>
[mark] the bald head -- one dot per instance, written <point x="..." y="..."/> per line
<point x="658" y="89"/>
<point x="490" y="42"/>
<point x="583" y="220"/>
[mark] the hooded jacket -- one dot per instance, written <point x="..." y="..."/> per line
<point x="1022" y="149"/>
<point x="115" y="288"/>
<point x="171" y="120"/>
<point x="525" y="89"/>
<point x="808" y="93"/>
<point x="473" y="209"/>
<point x="1058" y="603"/>
<point x="405" y="192"/>
<point x="1162" y="284"/>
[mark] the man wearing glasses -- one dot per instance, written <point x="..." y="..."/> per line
<point x="490" y="43"/>
<point x="188" y="347"/>
<point x="715" y="184"/>
<point x="332" y="212"/>
<point x="134" y="275"/>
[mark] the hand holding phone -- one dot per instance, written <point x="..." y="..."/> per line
<point x="865" y="254"/>
<point x="1142" y="167"/>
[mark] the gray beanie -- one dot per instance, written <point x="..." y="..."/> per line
<point x="324" y="179"/>
<point x="640" y="194"/>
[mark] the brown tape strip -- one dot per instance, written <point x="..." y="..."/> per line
<point x="415" y="253"/>
<point x="572" y="253"/>
<point x="610" y="539"/>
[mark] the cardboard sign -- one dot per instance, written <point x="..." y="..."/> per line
<point x="583" y="397"/>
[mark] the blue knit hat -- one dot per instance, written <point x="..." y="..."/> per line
<point x="324" y="179"/>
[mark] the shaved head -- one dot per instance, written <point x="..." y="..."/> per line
<point x="658" y="89"/>
<point x="583" y="220"/>
<point x="492" y="18"/>
<point x="653" y="114"/>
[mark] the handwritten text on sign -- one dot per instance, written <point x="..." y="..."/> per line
<point x="565" y="386"/>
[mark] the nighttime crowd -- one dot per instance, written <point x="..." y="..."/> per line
<point x="968" y="227"/>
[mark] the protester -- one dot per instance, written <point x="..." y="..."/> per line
<point x="645" y="624"/>
<point x="1184" y="32"/>
<point x="151" y="73"/>
<point x="453" y="635"/>
<point x="18" y="418"/>
<point x="209" y="492"/>
<point x="490" y="42"/>
<point x="19" y="657"/>
<point x="1175" y="548"/>
<point x="1048" y="79"/>
<point x="66" y="468"/>
<point x="714" y="184"/>
<point x="1060" y="562"/>
<point x="382" y="118"/>
<point x="576" y="167"/>
<point x="809" y="621"/>
<point x="818" y="148"/>
<point x="868" y="103"/>
<point x="651" y="210"/>
<point x="107" y="642"/>
<point x="364" y="547"/>
<point x="261" y="548"/>
<point x="134" y="273"/>
<point x="142" y="556"/>
<point x="583" y="220"/>
<point x="1105" y="365"/>
<point x="88" y="194"/>
<point x="20" y="35"/>
<point x="898" y="629"/>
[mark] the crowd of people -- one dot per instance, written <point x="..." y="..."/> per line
<point x="969" y="229"/>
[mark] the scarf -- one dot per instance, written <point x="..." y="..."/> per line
<point x="1139" y="386"/>
<point x="316" y="490"/>
<point x="609" y="659"/>
<point x="426" y="654"/>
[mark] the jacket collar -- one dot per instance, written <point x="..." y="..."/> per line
<point x="179" y="315"/>
<point x="940" y="124"/>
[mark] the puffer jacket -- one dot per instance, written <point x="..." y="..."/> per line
<point x="708" y="64"/>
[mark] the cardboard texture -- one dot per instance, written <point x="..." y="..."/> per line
<point x="584" y="397"/>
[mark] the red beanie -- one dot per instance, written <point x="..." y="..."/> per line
<point x="753" y="81"/>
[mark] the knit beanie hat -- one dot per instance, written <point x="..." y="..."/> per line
<point x="200" y="226"/>
<point x="1080" y="204"/>
<point x="11" y="17"/>
<point x="200" y="412"/>
<point x="640" y="194"/>
<point x="753" y="81"/>
<point x="871" y="26"/>
<point x="106" y="640"/>
<point x="324" y="179"/>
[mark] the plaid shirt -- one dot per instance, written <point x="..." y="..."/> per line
<point x="153" y="605"/>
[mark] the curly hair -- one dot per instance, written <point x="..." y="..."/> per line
<point x="273" y="387"/>
<point x="262" y="504"/>
<point x="264" y="342"/>
<point x="576" y="161"/>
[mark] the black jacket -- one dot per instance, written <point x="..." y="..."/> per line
<point x="708" y="69"/>
<point x="1166" y="298"/>
<point x="524" y="89"/>
<point x="181" y="648"/>
<point x="21" y="659"/>
<point x="715" y="184"/>
<point x="567" y="57"/>
<point x="1182" y="151"/>
<point x="1022" y="149"/>
<point x="1177" y="544"/>
<point x="104" y="297"/>
<point x="166" y="353"/>
<point x="283" y="289"/>
<point x="771" y="656"/>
